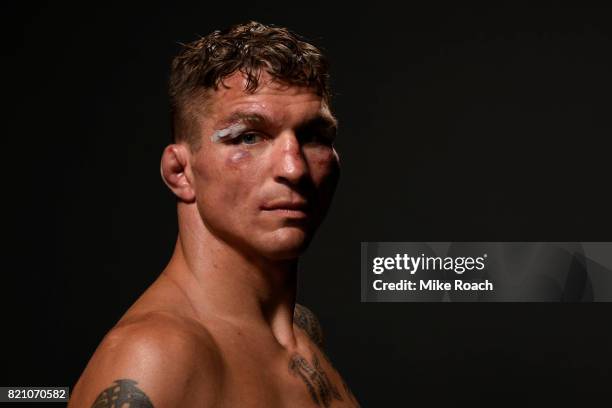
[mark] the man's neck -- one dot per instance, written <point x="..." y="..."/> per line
<point x="220" y="281"/>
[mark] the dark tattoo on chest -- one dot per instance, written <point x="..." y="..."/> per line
<point x="122" y="394"/>
<point x="307" y="321"/>
<point x="319" y="387"/>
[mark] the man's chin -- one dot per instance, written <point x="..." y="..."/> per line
<point x="289" y="243"/>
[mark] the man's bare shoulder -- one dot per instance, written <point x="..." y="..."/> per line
<point x="155" y="359"/>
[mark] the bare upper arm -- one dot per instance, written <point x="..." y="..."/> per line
<point x="155" y="361"/>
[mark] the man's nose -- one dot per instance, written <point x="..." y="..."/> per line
<point x="290" y="163"/>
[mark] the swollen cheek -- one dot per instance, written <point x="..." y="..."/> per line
<point x="325" y="160"/>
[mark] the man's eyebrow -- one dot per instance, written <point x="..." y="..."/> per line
<point x="251" y="118"/>
<point x="321" y="121"/>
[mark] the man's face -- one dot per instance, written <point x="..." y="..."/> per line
<point x="266" y="170"/>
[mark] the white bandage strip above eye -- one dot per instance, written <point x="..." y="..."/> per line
<point x="230" y="132"/>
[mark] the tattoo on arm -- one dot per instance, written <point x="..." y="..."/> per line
<point x="122" y="394"/>
<point x="307" y="321"/>
<point x="321" y="390"/>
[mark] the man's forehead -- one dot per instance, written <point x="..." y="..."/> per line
<point x="272" y="103"/>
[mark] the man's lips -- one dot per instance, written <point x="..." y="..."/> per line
<point x="292" y="209"/>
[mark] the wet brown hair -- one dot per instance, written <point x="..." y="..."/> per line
<point x="251" y="48"/>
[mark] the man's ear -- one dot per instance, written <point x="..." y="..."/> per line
<point x="176" y="171"/>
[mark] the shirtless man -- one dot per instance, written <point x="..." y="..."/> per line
<point x="254" y="169"/>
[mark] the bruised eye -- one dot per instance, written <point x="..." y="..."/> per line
<point x="317" y="138"/>
<point x="317" y="135"/>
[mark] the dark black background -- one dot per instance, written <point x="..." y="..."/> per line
<point x="481" y="123"/>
